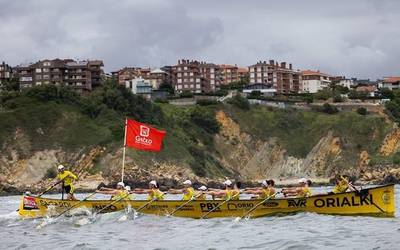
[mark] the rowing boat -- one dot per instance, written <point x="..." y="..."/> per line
<point x="375" y="201"/>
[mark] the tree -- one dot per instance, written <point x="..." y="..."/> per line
<point x="166" y="87"/>
<point x="362" y="111"/>
<point x="329" y="109"/>
<point x="255" y="94"/>
<point x="239" y="102"/>
<point x="386" y="93"/>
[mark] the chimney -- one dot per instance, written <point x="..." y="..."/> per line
<point x="283" y="65"/>
<point x="290" y="66"/>
<point x="265" y="62"/>
<point x="271" y="62"/>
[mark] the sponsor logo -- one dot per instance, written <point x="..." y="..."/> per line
<point x="30" y="203"/>
<point x="102" y="206"/>
<point x="270" y="204"/>
<point x="205" y="207"/>
<point x="55" y="203"/>
<point x="354" y="201"/>
<point x="142" y="138"/>
<point x="386" y="197"/>
<point x="297" y="202"/>
<point x="232" y="206"/>
<point x="144" y="131"/>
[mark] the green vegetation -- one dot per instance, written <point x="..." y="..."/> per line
<point x="49" y="117"/>
<point x="300" y="131"/>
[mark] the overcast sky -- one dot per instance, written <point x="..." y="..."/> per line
<point x="356" y="38"/>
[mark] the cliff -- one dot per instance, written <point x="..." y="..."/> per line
<point x="204" y="143"/>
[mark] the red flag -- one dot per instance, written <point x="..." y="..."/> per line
<point x="143" y="137"/>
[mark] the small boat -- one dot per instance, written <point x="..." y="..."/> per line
<point x="375" y="201"/>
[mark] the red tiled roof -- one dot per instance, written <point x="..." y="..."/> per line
<point x="391" y="79"/>
<point x="243" y="70"/>
<point x="313" y="73"/>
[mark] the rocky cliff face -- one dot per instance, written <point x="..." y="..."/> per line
<point x="250" y="158"/>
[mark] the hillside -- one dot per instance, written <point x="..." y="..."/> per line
<point x="44" y="126"/>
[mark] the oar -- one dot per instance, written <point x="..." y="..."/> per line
<point x="366" y="197"/>
<point x="112" y="203"/>
<point x="187" y="202"/>
<point x="50" y="188"/>
<point x="205" y="215"/>
<point x="145" y="205"/>
<point x="255" y="207"/>
<point x="78" y="203"/>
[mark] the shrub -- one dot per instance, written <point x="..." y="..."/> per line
<point x="186" y="94"/>
<point x="255" y="94"/>
<point x="362" y="111"/>
<point x="205" y="119"/>
<point x="206" y="102"/>
<point x="329" y="109"/>
<point x="161" y="100"/>
<point x="337" y="98"/>
<point x="239" y="102"/>
<point x="51" y="173"/>
<point x="396" y="158"/>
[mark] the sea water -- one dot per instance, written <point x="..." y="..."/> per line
<point x="121" y="230"/>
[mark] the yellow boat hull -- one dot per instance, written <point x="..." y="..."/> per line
<point x="377" y="201"/>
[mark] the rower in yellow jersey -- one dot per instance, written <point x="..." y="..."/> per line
<point x="303" y="190"/>
<point x="153" y="191"/>
<point x="120" y="193"/>
<point x="187" y="191"/>
<point x="67" y="178"/>
<point x="228" y="193"/>
<point x="202" y="193"/>
<point x="342" y="184"/>
<point x="267" y="189"/>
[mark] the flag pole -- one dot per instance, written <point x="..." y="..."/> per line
<point x="123" y="154"/>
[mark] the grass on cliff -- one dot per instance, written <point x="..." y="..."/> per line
<point x="300" y="131"/>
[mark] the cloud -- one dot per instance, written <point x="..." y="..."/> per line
<point x="353" y="38"/>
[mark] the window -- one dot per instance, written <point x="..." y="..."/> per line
<point x="179" y="86"/>
<point x="46" y="64"/>
<point x="191" y="85"/>
<point x="37" y="71"/>
<point x="191" y="80"/>
<point x="185" y="74"/>
<point x="38" y="77"/>
<point x="198" y="86"/>
<point x="198" y="80"/>
<point x="38" y="83"/>
<point x="185" y="86"/>
<point x="184" y="68"/>
<point x="179" y="74"/>
<point x="191" y="73"/>
<point x="46" y="77"/>
<point x="179" y="80"/>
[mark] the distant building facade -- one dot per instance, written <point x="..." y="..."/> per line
<point x="314" y="81"/>
<point x="157" y="77"/>
<point x="211" y="74"/>
<point x="129" y="73"/>
<point x="188" y="77"/>
<point x="392" y="82"/>
<point x="232" y="73"/>
<point x="83" y="76"/>
<point x="5" y="72"/>
<point x="283" y="79"/>
<point x="140" y="86"/>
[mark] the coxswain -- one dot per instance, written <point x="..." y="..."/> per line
<point x="303" y="190"/>
<point x="67" y="178"/>
<point x="267" y="190"/>
<point x="187" y="191"/>
<point x="153" y="192"/>
<point x="120" y="193"/>
<point x="342" y="184"/>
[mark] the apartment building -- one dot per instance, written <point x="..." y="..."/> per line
<point x="81" y="75"/>
<point x="211" y="74"/>
<point x="391" y="82"/>
<point x="283" y="79"/>
<point x="157" y="77"/>
<point x="314" y="81"/>
<point x="188" y="77"/>
<point x="232" y="73"/>
<point x="5" y="72"/>
<point x="243" y="73"/>
<point x="129" y="73"/>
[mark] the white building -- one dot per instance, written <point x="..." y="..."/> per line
<point x="392" y="82"/>
<point x="139" y="86"/>
<point x="313" y="81"/>
<point x="348" y="83"/>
